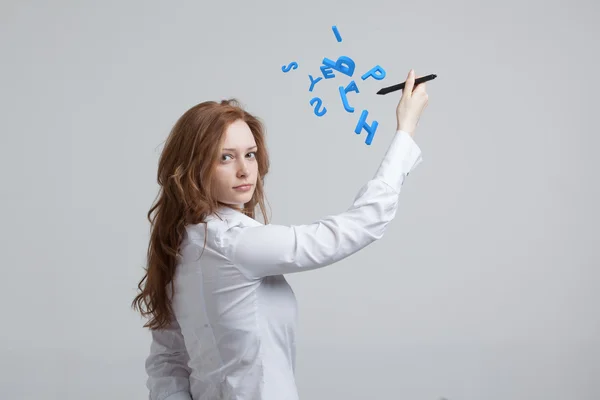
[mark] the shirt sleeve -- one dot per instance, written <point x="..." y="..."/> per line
<point x="259" y="251"/>
<point x="167" y="365"/>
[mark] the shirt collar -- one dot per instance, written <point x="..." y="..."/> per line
<point x="228" y="213"/>
<point x="234" y="216"/>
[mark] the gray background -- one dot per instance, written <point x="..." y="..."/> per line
<point x="482" y="288"/>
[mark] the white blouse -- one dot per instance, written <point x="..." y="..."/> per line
<point x="234" y="336"/>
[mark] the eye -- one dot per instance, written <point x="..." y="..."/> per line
<point x="254" y="154"/>
<point x="225" y="155"/>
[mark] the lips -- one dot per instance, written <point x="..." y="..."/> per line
<point x="244" y="185"/>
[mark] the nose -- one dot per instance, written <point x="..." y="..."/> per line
<point x="243" y="169"/>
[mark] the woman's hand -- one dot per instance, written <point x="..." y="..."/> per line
<point x="411" y="105"/>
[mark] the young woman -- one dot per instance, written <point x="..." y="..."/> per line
<point x="222" y="316"/>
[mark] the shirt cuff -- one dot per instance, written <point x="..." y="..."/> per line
<point x="401" y="158"/>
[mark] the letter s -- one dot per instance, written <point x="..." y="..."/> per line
<point x="292" y="65"/>
<point x="319" y="103"/>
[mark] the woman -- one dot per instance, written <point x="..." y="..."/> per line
<point x="222" y="316"/>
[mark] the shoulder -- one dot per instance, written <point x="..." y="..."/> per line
<point x="219" y="227"/>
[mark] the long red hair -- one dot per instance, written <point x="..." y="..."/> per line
<point x="186" y="195"/>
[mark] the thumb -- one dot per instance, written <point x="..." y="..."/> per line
<point x="410" y="82"/>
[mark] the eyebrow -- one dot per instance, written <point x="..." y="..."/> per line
<point x="249" y="148"/>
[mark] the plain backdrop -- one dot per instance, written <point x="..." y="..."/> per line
<point x="486" y="284"/>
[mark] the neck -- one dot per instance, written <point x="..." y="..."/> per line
<point x="235" y="206"/>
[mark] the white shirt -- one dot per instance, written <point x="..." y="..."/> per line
<point x="234" y="337"/>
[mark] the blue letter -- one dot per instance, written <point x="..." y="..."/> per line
<point x="292" y="65"/>
<point x="327" y="73"/>
<point x="336" y="33"/>
<point x="313" y="82"/>
<point x="351" y="87"/>
<point x="347" y="69"/>
<point x="319" y="102"/>
<point x="345" y="100"/>
<point x="377" y="68"/>
<point x="362" y="125"/>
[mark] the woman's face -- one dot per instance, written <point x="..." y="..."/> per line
<point x="236" y="166"/>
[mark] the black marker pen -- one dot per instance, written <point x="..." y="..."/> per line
<point x="399" y="86"/>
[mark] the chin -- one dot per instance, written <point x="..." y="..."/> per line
<point x="247" y="198"/>
<point x="241" y="199"/>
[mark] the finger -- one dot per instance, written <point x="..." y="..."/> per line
<point x="410" y="81"/>
<point x="421" y="87"/>
<point x="418" y="84"/>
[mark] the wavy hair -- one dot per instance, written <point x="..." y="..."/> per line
<point x="187" y="196"/>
